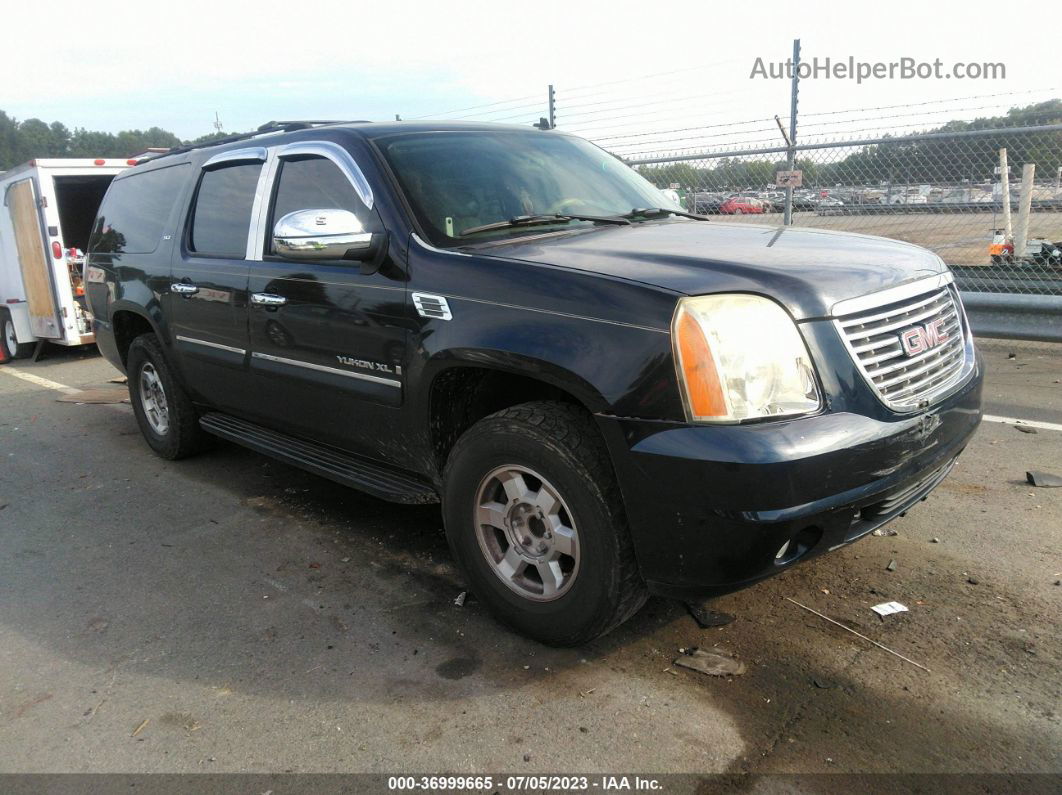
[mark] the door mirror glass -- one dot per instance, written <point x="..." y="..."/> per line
<point x="322" y="235"/>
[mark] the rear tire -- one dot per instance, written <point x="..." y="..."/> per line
<point x="10" y="347"/>
<point x="567" y="576"/>
<point x="163" y="410"/>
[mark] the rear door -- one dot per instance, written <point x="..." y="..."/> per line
<point x="38" y="279"/>
<point x="328" y="341"/>
<point x="207" y="299"/>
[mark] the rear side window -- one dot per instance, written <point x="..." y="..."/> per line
<point x="221" y="217"/>
<point x="134" y="213"/>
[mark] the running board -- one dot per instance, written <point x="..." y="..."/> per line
<point x="380" y="480"/>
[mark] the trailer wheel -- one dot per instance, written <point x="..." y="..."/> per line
<point x="163" y="410"/>
<point x="11" y="347"/>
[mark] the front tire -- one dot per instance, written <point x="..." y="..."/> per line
<point x="165" y="414"/>
<point x="535" y="520"/>
<point x="12" y="348"/>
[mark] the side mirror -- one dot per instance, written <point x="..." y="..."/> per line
<point x="324" y="235"/>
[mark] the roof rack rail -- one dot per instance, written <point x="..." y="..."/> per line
<point x="264" y="129"/>
<point x="297" y="124"/>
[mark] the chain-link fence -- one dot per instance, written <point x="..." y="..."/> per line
<point x="942" y="191"/>
<point x="952" y="193"/>
<point x="984" y="193"/>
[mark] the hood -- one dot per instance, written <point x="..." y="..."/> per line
<point x="806" y="270"/>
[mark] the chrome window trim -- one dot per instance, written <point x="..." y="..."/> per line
<point x="217" y="345"/>
<point x="250" y="154"/>
<point x="891" y="294"/>
<point x="338" y="155"/>
<point x="260" y="208"/>
<point x="322" y="368"/>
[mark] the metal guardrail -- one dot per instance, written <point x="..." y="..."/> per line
<point x="1013" y="316"/>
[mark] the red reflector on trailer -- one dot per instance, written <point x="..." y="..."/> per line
<point x="57" y="250"/>
<point x="131" y="162"/>
<point x="99" y="162"/>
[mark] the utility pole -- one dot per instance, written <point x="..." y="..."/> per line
<point x="552" y="98"/>
<point x="217" y="122"/>
<point x="787" y="218"/>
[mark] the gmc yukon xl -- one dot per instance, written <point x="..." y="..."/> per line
<point x="609" y="396"/>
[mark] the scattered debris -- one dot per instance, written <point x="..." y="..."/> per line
<point x="706" y="618"/>
<point x="973" y="581"/>
<point x="40" y="699"/>
<point x="823" y="684"/>
<point x="141" y="727"/>
<point x="859" y="635"/>
<point x="884" y="531"/>
<point x="96" y="396"/>
<point x="527" y="757"/>
<point x="1044" y="480"/>
<point x="825" y="591"/>
<point x="1024" y="428"/>
<point x="888" y="608"/>
<point x="122" y="379"/>
<point x="460" y="600"/>
<point x="934" y="540"/>
<point x="711" y="663"/>
<point x="315" y="565"/>
<point x="891" y="566"/>
<point x="585" y="693"/>
<point x="584" y="730"/>
<point x="1012" y="356"/>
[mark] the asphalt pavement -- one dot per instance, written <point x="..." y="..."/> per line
<point x="230" y="613"/>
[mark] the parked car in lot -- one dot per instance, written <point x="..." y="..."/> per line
<point x="608" y="395"/>
<point x="708" y="203"/>
<point x="741" y="205"/>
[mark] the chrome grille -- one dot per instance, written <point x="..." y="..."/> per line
<point x="873" y="334"/>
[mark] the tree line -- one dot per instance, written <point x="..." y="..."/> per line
<point x="954" y="161"/>
<point x="26" y="140"/>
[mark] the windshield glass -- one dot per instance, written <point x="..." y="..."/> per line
<point x="460" y="180"/>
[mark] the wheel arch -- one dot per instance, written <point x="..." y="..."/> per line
<point x="129" y="321"/>
<point x="464" y="387"/>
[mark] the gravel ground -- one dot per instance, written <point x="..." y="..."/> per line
<point x="228" y="613"/>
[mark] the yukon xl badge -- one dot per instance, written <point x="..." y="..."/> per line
<point x="921" y="338"/>
<point x="365" y="364"/>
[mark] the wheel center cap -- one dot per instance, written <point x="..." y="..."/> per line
<point x="529" y="531"/>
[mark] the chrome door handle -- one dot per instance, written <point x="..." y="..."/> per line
<point x="183" y="288"/>
<point x="268" y="299"/>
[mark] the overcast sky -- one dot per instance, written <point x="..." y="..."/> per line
<point x="619" y="68"/>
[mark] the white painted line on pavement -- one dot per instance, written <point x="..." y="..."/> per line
<point x="49" y="384"/>
<point x="1044" y="426"/>
<point x="36" y="379"/>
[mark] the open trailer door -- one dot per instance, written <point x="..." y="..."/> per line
<point x="37" y="274"/>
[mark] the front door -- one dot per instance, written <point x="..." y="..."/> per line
<point x="327" y="341"/>
<point x="207" y="301"/>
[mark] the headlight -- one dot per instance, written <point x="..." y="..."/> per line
<point x="741" y="357"/>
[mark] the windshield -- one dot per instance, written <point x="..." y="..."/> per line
<point x="461" y="180"/>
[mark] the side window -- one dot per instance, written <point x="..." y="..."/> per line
<point x="221" y="218"/>
<point x="133" y="215"/>
<point x="315" y="183"/>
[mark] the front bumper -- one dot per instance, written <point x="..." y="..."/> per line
<point x="710" y="507"/>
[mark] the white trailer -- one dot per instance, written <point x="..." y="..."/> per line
<point x="49" y="206"/>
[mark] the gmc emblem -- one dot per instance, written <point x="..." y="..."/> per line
<point x="921" y="338"/>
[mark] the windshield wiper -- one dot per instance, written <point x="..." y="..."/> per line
<point x="535" y="220"/>
<point x="653" y="212"/>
